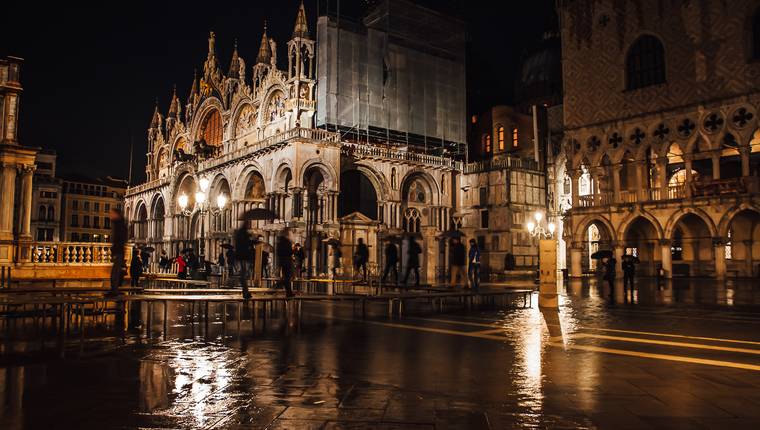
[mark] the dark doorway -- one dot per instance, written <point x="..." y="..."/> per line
<point x="357" y="194"/>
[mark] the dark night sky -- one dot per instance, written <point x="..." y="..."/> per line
<point x="92" y="73"/>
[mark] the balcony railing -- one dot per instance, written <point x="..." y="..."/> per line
<point x="500" y="164"/>
<point x="387" y="152"/>
<point x="70" y="253"/>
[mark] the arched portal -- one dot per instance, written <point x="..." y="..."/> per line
<point x="141" y="223"/>
<point x="357" y="194"/>
<point x="743" y="243"/>
<point x="158" y="219"/>
<point x="596" y="237"/>
<point x="641" y="240"/>
<point x="691" y="246"/>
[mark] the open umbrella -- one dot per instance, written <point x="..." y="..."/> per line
<point x="598" y="255"/>
<point x="258" y="214"/>
<point x="226" y="246"/>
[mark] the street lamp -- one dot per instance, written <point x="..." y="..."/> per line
<point x="202" y="206"/>
<point x="537" y="230"/>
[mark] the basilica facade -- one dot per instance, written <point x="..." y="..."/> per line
<point x="253" y="140"/>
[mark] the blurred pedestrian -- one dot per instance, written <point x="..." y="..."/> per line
<point x="244" y="256"/>
<point x="182" y="265"/>
<point x="221" y="262"/>
<point x="473" y="270"/>
<point x="285" y="260"/>
<point x="145" y="259"/>
<point x="629" y="272"/>
<point x="391" y="261"/>
<point x="457" y="262"/>
<point x="135" y="268"/>
<point x="337" y="254"/>
<point x="163" y="262"/>
<point x="412" y="263"/>
<point x="361" y="258"/>
<point x="609" y="272"/>
<point x="298" y="258"/>
<point x="230" y="261"/>
<point x="118" y="242"/>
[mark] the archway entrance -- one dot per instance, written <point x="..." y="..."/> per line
<point x="691" y="248"/>
<point x="357" y="194"/>
<point x="743" y="243"/>
<point x="641" y="240"/>
<point x="596" y="237"/>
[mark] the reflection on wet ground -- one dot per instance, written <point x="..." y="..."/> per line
<point x="682" y="356"/>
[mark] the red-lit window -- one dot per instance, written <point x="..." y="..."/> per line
<point x="515" y="142"/>
<point x="500" y="137"/>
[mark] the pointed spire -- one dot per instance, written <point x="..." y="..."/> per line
<point x="234" y="64"/>
<point x="193" y="87"/>
<point x="211" y="45"/>
<point x="174" y="106"/>
<point x="265" y="51"/>
<point x="156" y="121"/>
<point x="301" y="28"/>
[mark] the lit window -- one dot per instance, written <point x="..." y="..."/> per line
<point x="515" y="142"/>
<point x="500" y="135"/>
<point x="487" y="143"/>
<point x="212" y="128"/>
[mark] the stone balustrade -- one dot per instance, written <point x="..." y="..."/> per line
<point x="500" y="164"/>
<point x="391" y="153"/>
<point x="70" y="253"/>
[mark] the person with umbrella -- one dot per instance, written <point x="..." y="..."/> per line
<point x="457" y="260"/>
<point x="473" y="270"/>
<point x="244" y="256"/>
<point x="285" y="261"/>
<point x="629" y="272"/>
<point x="391" y="261"/>
<point x="361" y="258"/>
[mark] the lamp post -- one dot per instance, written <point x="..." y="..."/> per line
<point x="547" y="260"/>
<point x="202" y="206"/>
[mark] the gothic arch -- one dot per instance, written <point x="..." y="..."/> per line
<point x="382" y="187"/>
<point x="426" y="179"/>
<point x="584" y="224"/>
<point x="279" y="174"/>
<point x="328" y="173"/>
<point x="235" y="117"/>
<point x="673" y="221"/>
<point x="203" y="111"/>
<point x="725" y="221"/>
<point x="632" y="217"/>
<point x="158" y="197"/>
<point x="140" y="206"/>
<point x="239" y="188"/>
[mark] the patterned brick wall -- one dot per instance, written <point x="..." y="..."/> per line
<point x="707" y="49"/>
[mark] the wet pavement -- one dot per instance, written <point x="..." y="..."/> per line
<point x="683" y="356"/>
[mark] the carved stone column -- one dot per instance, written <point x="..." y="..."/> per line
<point x="716" y="166"/>
<point x="25" y="205"/>
<point x="616" y="198"/>
<point x="744" y="152"/>
<point x="576" y="259"/>
<point x="7" y="197"/>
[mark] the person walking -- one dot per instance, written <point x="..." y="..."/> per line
<point x="609" y="273"/>
<point x="244" y="257"/>
<point x="135" y="268"/>
<point x="163" y="262"/>
<point x="473" y="270"/>
<point x="412" y="264"/>
<point x="629" y="272"/>
<point x="298" y="258"/>
<point x="145" y="259"/>
<point x="221" y="262"/>
<point x="193" y="264"/>
<point x="337" y="254"/>
<point x="230" y="253"/>
<point x="285" y="261"/>
<point x="391" y="261"/>
<point x="118" y="242"/>
<point x="457" y="262"/>
<point x="182" y="266"/>
<point x="361" y="258"/>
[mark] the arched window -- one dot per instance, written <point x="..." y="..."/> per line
<point x="412" y="220"/>
<point x="212" y="128"/>
<point x="42" y="213"/>
<point x="500" y="137"/>
<point x="515" y="141"/>
<point x="645" y="63"/>
<point x="756" y="36"/>
<point x="487" y="143"/>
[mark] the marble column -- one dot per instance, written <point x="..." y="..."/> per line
<point x="687" y="165"/>
<point x="719" y="251"/>
<point x="662" y="172"/>
<point x="25" y="205"/>
<point x="575" y="187"/>
<point x="716" y="166"/>
<point x="576" y="257"/>
<point x="667" y="257"/>
<point x="7" y="196"/>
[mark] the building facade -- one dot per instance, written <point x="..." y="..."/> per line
<point x="46" y="199"/>
<point x="661" y="147"/>
<point x="254" y="140"/>
<point x="85" y="207"/>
